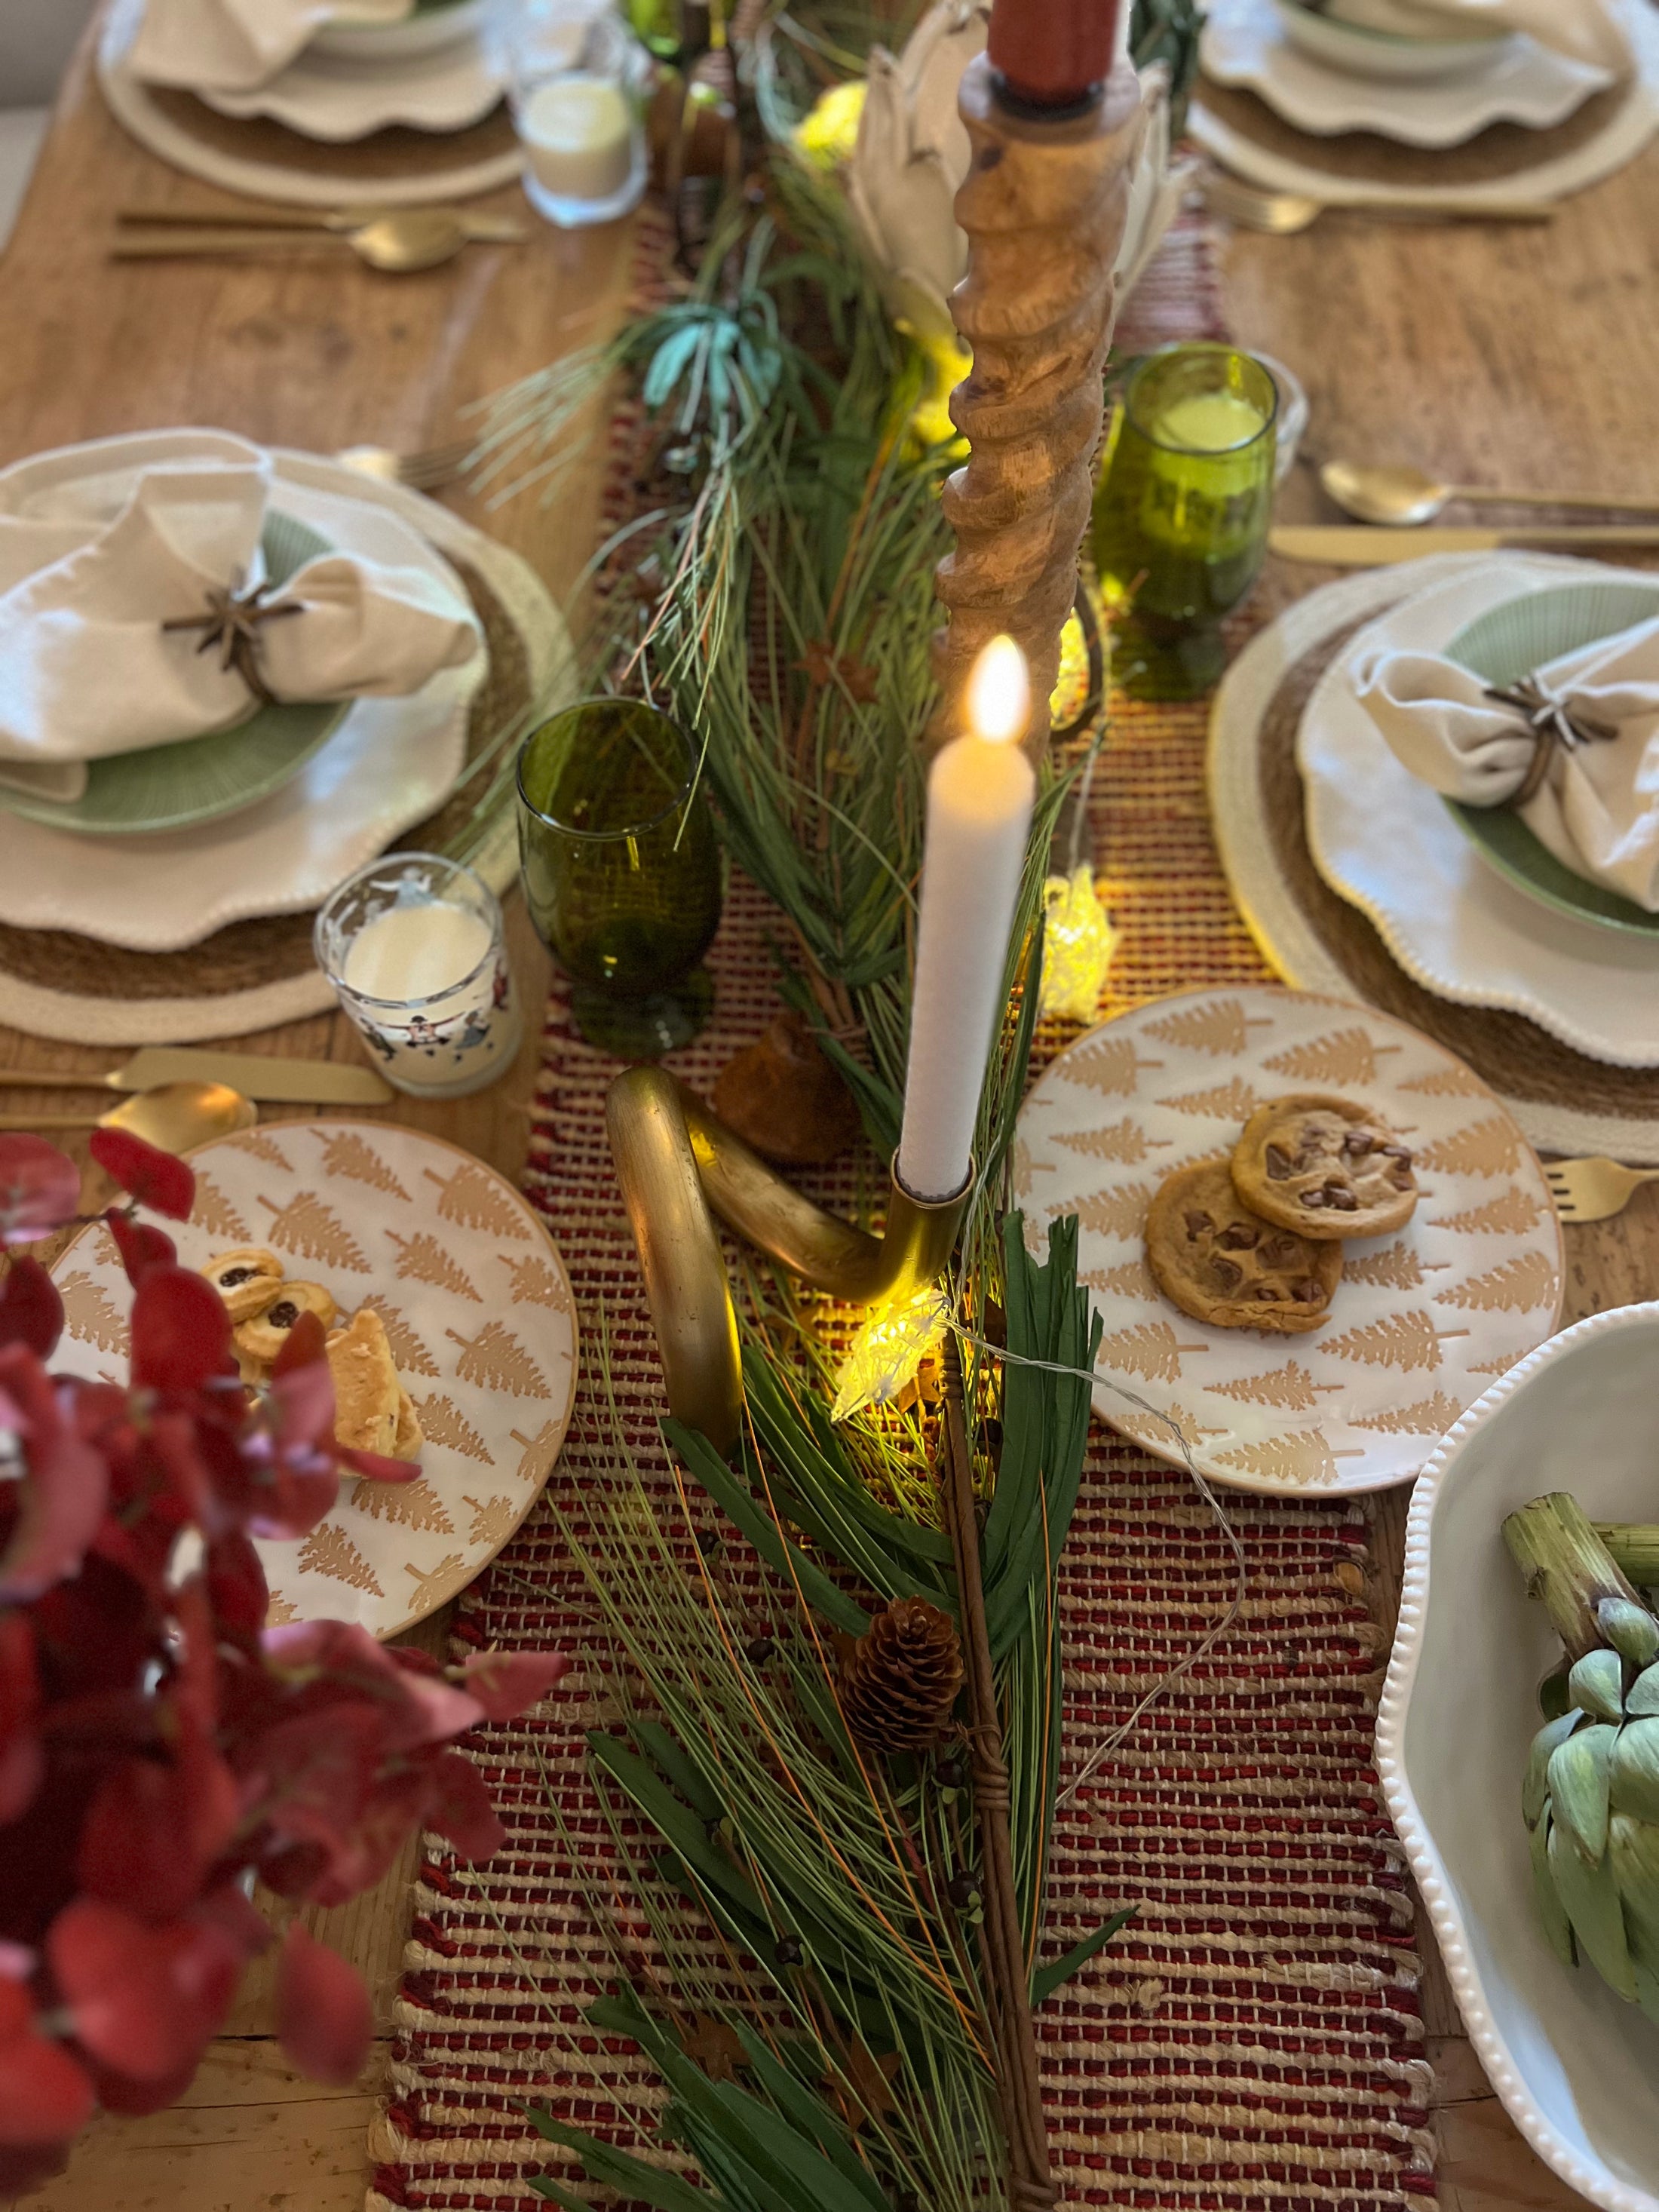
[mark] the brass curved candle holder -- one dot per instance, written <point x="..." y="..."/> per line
<point x="679" y="1167"/>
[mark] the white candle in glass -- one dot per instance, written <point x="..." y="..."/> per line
<point x="980" y="797"/>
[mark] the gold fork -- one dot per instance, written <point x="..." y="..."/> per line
<point x="1591" y="1190"/>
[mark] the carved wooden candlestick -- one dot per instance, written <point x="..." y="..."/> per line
<point x="1044" y="206"/>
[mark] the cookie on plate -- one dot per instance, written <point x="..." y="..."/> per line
<point x="248" y="1281"/>
<point x="1324" y="1167"/>
<point x="261" y="1339"/>
<point x="1220" y="1263"/>
<point x="368" y="1395"/>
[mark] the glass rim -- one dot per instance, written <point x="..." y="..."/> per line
<point x="1211" y="346"/>
<point x="497" y="931"/>
<point x="629" y="829"/>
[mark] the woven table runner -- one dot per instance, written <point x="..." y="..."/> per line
<point x="1254" y="2039"/>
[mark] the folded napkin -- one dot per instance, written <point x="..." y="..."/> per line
<point x="237" y="46"/>
<point x="87" y="668"/>
<point x="1586" y="737"/>
<point x="1583" y="30"/>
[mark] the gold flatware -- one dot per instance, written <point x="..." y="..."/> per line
<point x="1403" y="498"/>
<point x="1284" y="214"/>
<point x="288" y="1082"/>
<point x="421" y="472"/>
<point x="1344" y="545"/>
<point x="396" y="245"/>
<point x="1592" y="1190"/>
<point x="174" y="1118"/>
<point x="484" y="229"/>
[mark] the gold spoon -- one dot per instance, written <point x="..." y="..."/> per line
<point x="397" y="244"/>
<point x="1401" y="498"/>
<point x="172" y="1118"/>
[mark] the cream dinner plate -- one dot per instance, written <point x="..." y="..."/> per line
<point x="1422" y="1321"/>
<point x="476" y="1305"/>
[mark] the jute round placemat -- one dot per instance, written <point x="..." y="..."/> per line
<point x="393" y="167"/>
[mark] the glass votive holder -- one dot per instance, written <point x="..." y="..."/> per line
<point x="622" y="871"/>
<point x="1182" y="511"/>
<point x="415" y="947"/>
<point x="576" y="83"/>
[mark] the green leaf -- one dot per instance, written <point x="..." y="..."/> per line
<point x="1633" y="1771"/>
<point x="1643" y="1699"/>
<point x="679" y="1826"/>
<point x="807" y="2176"/>
<point x="1579" y="1790"/>
<point x="1557" y="1926"/>
<point x="1597" y="1683"/>
<point x="668" y="363"/>
<point x="1048" y="1979"/>
<point x="809" y="2115"/>
<point x="1633" y="1849"/>
<point x="615" y="2169"/>
<point x="1589" y="1898"/>
<point x="1630" y="1629"/>
<point x="1535" y="1791"/>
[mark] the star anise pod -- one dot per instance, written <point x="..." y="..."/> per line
<point x="232" y="625"/>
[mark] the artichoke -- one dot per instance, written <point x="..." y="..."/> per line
<point x="1591" y="1796"/>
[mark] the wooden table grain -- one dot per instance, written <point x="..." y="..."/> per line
<point x="1522" y="356"/>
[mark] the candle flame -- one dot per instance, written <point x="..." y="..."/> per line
<point x="1000" y="693"/>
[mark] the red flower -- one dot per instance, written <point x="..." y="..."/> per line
<point x="141" y="1246"/>
<point x="180" y="1331"/>
<point x="324" y="2016"/>
<point x="39" y="1190"/>
<point x="62" y="1494"/>
<point x="144" y="2002"/>
<point x="505" y="1683"/>
<point x="44" y="2097"/>
<point x="31" y="1311"/>
<point x="154" y="1179"/>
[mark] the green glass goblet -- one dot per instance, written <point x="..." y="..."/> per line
<point x="1182" y="514"/>
<point x="621" y="871"/>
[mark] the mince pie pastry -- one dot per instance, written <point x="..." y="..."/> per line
<point x="263" y="1337"/>
<point x="247" y="1280"/>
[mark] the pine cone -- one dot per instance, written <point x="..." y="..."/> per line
<point x="899" y="1683"/>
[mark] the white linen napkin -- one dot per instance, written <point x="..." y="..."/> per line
<point x="237" y="46"/>
<point x="1597" y="808"/>
<point x="1583" y="30"/>
<point x="87" y="669"/>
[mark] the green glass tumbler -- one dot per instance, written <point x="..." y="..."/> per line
<point x="1182" y="511"/>
<point x="621" y="871"/>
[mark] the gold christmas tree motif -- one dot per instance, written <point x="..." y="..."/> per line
<point x="1119" y="1211"/>
<point x="411" y="1354"/>
<point x="1300" y="1456"/>
<point x="1395" y="1268"/>
<point x="88" y="1314"/>
<point x="1150" y="1349"/>
<point x="1109" y="1065"/>
<point x="476" y="1200"/>
<point x="443" y="1423"/>
<point x="1290" y="1385"/>
<point x="1502" y="1364"/>
<point x="1405" y="1340"/>
<point x="1124" y="1140"/>
<point x="414" y="1505"/>
<point x="1152" y="1429"/>
<point x="213" y="1211"/>
<point x="1513" y="1214"/>
<point x="1429" y="1417"/>
<point x="494" y="1520"/>
<point x="329" y="1551"/>
<point x="306" y="1226"/>
<point x="1344" y="1056"/>
<point x="534" y="1282"/>
<point x="436" y="1584"/>
<point x="1526" y="1281"/>
<point x="496" y="1360"/>
<point x="1020" y="1169"/>
<point x="1221" y="1026"/>
<point x="1233" y="1100"/>
<point x="1447" y="1083"/>
<point x="539" y="1452"/>
<point x="1487" y="1148"/>
<point x="423" y="1260"/>
<point x="1133" y="1280"/>
<point x="279" y="1612"/>
<point x="257" y="1142"/>
<point x="346" y="1153"/>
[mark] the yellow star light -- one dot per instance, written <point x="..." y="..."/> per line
<point x="827" y="135"/>
<point x="888" y="1350"/>
<point x="1078" y="944"/>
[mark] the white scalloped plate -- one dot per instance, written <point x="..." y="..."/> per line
<point x="1421" y="1320"/>
<point x="1244" y="43"/>
<point x="1574" y="2065"/>
<point x="340" y="98"/>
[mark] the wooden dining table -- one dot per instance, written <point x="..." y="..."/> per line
<point x="1505" y="354"/>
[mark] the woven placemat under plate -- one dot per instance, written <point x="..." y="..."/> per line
<point x="398" y="166"/>
<point x="55" y="983"/>
<point x="1255" y="2041"/>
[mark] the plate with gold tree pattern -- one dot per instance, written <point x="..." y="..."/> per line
<point x="1422" y="1320"/>
<point x="477" y="1310"/>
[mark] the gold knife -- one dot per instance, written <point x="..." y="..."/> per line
<point x="1359" y="546"/>
<point x="287" y="1082"/>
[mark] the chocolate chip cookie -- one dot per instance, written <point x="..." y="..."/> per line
<point x="1325" y="1167"/>
<point x="1220" y="1263"/>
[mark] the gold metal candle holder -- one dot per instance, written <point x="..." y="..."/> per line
<point x="679" y="1167"/>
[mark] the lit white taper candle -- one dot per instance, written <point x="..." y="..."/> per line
<point x="980" y="797"/>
